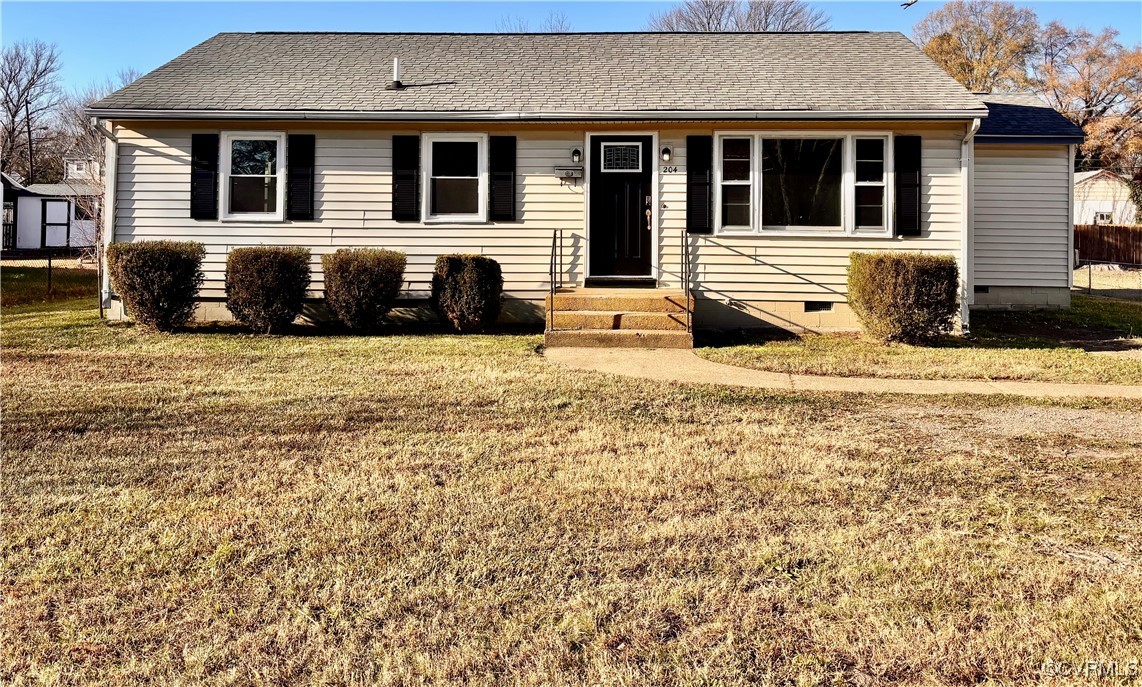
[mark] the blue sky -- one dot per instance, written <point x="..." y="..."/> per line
<point x="97" y="39"/>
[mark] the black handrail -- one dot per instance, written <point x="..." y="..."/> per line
<point x="555" y="275"/>
<point x="684" y="253"/>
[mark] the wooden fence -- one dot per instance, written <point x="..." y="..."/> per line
<point x="1109" y="243"/>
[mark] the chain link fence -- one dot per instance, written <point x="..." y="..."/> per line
<point x="1109" y="279"/>
<point x="28" y="277"/>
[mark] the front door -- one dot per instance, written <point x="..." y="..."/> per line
<point x="621" y="235"/>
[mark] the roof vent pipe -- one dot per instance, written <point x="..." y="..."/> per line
<point x="395" y="84"/>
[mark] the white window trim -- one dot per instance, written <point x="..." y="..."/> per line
<point x="751" y="183"/>
<point x="886" y="182"/>
<point x="847" y="227"/>
<point x="614" y="144"/>
<point x="478" y="217"/>
<point x="224" y="176"/>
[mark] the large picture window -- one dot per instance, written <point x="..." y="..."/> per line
<point x="252" y="170"/>
<point x="807" y="184"/>
<point x="456" y="177"/>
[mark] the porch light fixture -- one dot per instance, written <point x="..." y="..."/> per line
<point x="666" y="153"/>
<point x="576" y="156"/>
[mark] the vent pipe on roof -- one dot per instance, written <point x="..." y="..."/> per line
<point x="395" y="84"/>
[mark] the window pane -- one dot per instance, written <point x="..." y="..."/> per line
<point x="870" y="159"/>
<point x="455" y="158"/>
<point x="253" y="194"/>
<point x="619" y="158"/>
<point x="870" y="206"/>
<point x="455" y="196"/>
<point x="735" y="159"/>
<point x="735" y="206"/>
<point x="801" y="182"/>
<point x="254" y="157"/>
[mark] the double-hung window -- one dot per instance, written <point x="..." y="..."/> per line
<point x="736" y="184"/>
<point x="253" y="171"/>
<point x="803" y="183"/>
<point x="455" y="168"/>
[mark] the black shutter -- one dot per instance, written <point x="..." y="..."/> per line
<point x="204" y="176"/>
<point x="299" y="176"/>
<point x="406" y="178"/>
<point x="699" y="184"/>
<point x="907" y="154"/>
<point x="501" y="164"/>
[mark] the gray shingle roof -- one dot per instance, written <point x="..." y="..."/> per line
<point x="550" y="74"/>
<point x="66" y="189"/>
<point x="1013" y="116"/>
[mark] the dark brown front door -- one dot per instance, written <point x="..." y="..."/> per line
<point x="620" y="231"/>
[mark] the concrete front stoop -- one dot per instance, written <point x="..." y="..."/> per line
<point x="618" y="318"/>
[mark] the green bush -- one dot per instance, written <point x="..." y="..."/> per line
<point x="265" y="286"/>
<point x="362" y="284"/>
<point x="467" y="291"/>
<point x="905" y="297"/>
<point x="157" y="280"/>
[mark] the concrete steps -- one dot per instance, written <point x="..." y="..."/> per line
<point x="618" y="317"/>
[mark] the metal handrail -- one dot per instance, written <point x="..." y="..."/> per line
<point x="684" y="254"/>
<point x="555" y="275"/>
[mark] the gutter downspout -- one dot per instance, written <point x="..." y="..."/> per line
<point x="967" y="231"/>
<point x="110" y="181"/>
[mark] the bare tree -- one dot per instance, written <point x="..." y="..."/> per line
<point x="741" y="15"/>
<point x="29" y="73"/>
<point x="556" y="22"/>
<point x="85" y="142"/>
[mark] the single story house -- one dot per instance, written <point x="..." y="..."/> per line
<point x="610" y="174"/>
<point x="1102" y="196"/>
<point x="51" y="216"/>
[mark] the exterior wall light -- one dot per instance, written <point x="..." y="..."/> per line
<point x="576" y="156"/>
<point x="666" y="153"/>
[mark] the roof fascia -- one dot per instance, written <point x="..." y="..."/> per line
<point x="526" y="116"/>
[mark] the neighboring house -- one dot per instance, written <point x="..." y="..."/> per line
<point x="1103" y="197"/>
<point x="745" y="167"/>
<point x="50" y="216"/>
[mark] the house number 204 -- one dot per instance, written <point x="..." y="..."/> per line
<point x="671" y="169"/>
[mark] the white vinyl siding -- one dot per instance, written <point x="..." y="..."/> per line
<point x="752" y="270"/>
<point x="353" y="208"/>
<point x="1022" y="215"/>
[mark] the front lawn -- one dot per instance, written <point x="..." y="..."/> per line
<point x="1097" y="341"/>
<point x="217" y="508"/>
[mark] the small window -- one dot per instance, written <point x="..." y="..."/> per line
<point x="621" y="157"/>
<point x="870" y="185"/>
<point x="252" y="168"/>
<point x="1102" y="218"/>
<point x="737" y="183"/>
<point x="818" y="306"/>
<point x="455" y="178"/>
<point x="981" y="289"/>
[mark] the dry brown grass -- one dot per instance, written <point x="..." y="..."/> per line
<point x="223" y="509"/>
<point x="1096" y="341"/>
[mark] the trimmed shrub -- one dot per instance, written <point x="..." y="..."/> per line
<point x="467" y="291"/>
<point x="157" y="280"/>
<point x="362" y="284"/>
<point x="265" y="286"/>
<point x="905" y="297"/>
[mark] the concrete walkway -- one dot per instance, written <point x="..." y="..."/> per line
<point x="683" y="366"/>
